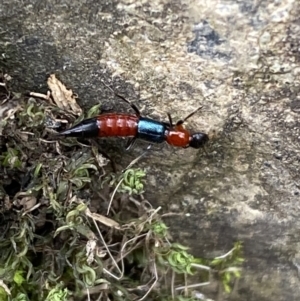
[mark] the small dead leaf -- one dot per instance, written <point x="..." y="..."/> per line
<point x="7" y="77"/>
<point x="101" y="160"/>
<point x="102" y="219"/>
<point x="27" y="202"/>
<point x="90" y="250"/>
<point x="31" y="209"/>
<point x="64" y="98"/>
<point x="23" y="136"/>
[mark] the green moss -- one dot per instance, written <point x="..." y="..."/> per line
<point x="55" y="247"/>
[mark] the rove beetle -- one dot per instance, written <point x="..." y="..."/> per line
<point x="138" y="127"/>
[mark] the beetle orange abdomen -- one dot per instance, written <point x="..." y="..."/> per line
<point x="113" y="125"/>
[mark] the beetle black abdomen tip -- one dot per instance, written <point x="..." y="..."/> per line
<point x="86" y="129"/>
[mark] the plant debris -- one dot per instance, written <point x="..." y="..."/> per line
<point x="73" y="230"/>
<point x="64" y="98"/>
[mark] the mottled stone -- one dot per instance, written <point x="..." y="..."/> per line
<point x="240" y="61"/>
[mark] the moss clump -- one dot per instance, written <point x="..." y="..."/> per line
<point x="55" y="244"/>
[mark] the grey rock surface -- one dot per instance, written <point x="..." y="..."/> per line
<point x="240" y="61"/>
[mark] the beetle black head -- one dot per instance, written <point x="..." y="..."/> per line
<point x="198" y="140"/>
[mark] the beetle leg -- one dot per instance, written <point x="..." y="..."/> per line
<point x="130" y="143"/>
